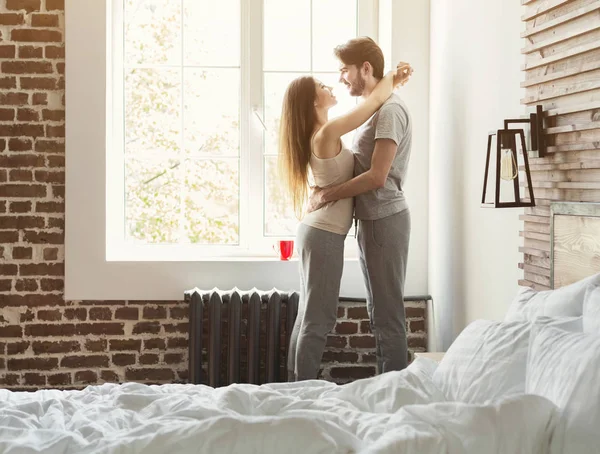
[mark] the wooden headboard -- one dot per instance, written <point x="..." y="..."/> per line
<point x="574" y="242"/>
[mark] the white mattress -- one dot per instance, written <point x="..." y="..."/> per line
<point x="395" y="412"/>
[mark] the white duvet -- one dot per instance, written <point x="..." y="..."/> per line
<point x="398" y="412"/>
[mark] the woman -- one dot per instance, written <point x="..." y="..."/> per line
<point x="309" y="140"/>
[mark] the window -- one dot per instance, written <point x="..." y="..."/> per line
<point x="197" y="87"/>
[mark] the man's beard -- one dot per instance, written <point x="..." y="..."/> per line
<point x="357" y="88"/>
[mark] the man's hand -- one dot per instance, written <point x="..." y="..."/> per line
<point x="316" y="200"/>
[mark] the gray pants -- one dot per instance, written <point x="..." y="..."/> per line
<point x="321" y="266"/>
<point x="383" y="245"/>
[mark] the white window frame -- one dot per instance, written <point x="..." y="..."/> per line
<point x="253" y="241"/>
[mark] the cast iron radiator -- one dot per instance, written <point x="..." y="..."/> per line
<point x="239" y="337"/>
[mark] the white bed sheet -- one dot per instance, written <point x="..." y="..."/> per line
<point x="395" y="412"/>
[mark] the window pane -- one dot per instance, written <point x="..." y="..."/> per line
<point x="212" y="111"/>
<point x="152" y="30"/>
<point x="212" y="201"/>
<point x="287" y="35"/>
<point x="152" y="198"/>
<point x="279" y="214"/>
<point x="212" y="32"/>
<point x="152" y="110"/>
<point x="334" y="23"/>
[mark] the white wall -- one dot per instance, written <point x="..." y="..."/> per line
<point x="475" y="76"/>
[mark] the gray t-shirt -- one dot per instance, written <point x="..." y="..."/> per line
<point x="392" y="121"/>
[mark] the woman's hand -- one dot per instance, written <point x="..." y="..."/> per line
<point x="402" y="73"/>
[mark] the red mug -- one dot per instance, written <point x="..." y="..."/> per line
<point x="285" y="249"/>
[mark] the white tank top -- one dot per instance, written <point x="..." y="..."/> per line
<point x="334" y="217"/>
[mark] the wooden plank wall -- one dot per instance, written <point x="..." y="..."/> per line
<point x="561" y="44"/>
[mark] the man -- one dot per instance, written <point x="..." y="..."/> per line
<point x="381" y="150"/>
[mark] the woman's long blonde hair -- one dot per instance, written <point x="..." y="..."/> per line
<point x="298" y="117"/>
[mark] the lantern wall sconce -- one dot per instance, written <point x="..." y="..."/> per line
<point x="507" y="164"/>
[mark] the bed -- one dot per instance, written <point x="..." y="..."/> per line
<point x="525" y="384"/>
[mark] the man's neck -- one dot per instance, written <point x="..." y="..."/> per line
<point x="370" y="85"/>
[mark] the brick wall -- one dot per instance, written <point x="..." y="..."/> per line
<point x="46" y="341"/>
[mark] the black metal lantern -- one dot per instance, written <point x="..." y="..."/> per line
<point x="506" y="163"/>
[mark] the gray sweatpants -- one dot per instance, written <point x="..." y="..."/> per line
<point x="321" y="266"/>
<point x="383" y="246"/>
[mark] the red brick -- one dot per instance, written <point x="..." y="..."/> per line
<point x="86" y="376"/>
<point x="127" y="313"/>
<point x="52" y="285"/>
<point x="26" y="285"/>
<point x="9" y="379"/>
<point x="40" y="99"/>
<point x="50" y="207"/>
<point x="179" y="313"/>
<point x="8" y="51"/>
<point x="58" y="191"/>
<point x="45" y="238"/>
<point x="52" y="5"/>
<point x="358" y="313"/>
<point x="17" y="348"/>
<point x="26" y="67"/>
<point x="50" y="254"/>
<point x="146" y="327"/>
<point x="365" y="326"/>
<point x="8" y="269"/>
<point x="3" y="175"/>
<point x="22" y="160"/>
<point x="53" y="115"/>
<point x="3" y="206"/>
<point x="8" y="82"/>
<point x="414" y="312"/>
<point x="31" y="52"/>
<point x="353" y="372"/>
<point x="417" y="326"/>
<point x="109" y="376"/>
<point x="177" y="342"/>
<point x="362" y="341"/>
<point x="143" y="374"/>
<point x="53" y="315"/>
<point x="31" y="300"/>
<point x="100" y="313"/>
<point x="336" y="342"/>
<point x="43" y="176"/>
<point x="22" y="253"/>
<point x="95" y="345"/>
<point x="37" y="35"/>
<point x="98" y="329"/>
<point x="5" y="285"/>
<point x="346" y="328"/>
<point x="417" y="342"/>
<point x="46" y="330"/>
<point x="55" y="52"/>
<point x="7" y="114"/>
<point x="28" y="115"/>
<point x="56" y="223"/>
<point x="44" y="20"/>
<point x="22" y="222"/>
<point x="19" y="175"/>
<point x="32" y="363"/>
<point x="12" y="19"/>
<point x="368" y="358"/>
<point x="38" y="83"/>
<point x="156" y="312"/>
<point x="27" y="5"/>
<point x="20" y="144"/>
<point x="28" y="315"/>
<point x="55" y="131"/>
<point x="11" y="331"/>
<point x="123" y="359"/>
<point x="340" y="357"/>
<point x="14" y="99"/>
<point x="79" y="362"/>
<point x="60" y="69"/>
<point x="59" y="379"/>
<point x="125" y="345"/>
<point x="42" y="269"/>
<point x="157" y="344"/>
<point x="41" y="348"/>
<point x="149" y="359"/>
<point x="79" y="313"/>
<point x="56" y="161"/>
<point x="173" y="358"/>
<point x="22" y="190"/>
<point x="34" y="379"/>
<point x="176" y="327"/>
